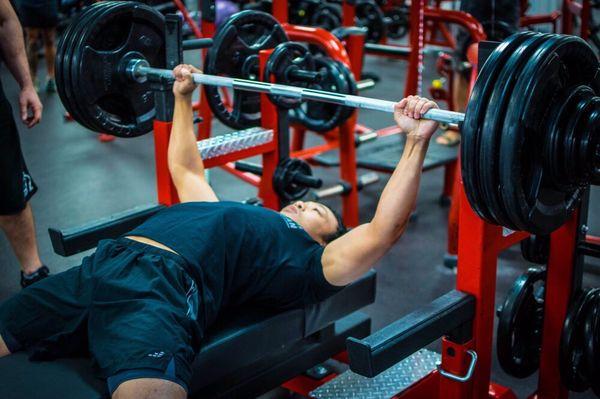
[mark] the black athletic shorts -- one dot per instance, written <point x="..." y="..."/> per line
<point x="130" y="305"/>
<point x="500" y="19"/>
<point x="16" y="185"/>
<point x="40" y="14"/>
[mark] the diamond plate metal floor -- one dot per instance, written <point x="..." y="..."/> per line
<point x="350" y="385"/>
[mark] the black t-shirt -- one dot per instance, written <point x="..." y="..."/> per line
<point x="242" y="253"/>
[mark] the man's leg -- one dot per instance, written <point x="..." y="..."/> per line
<point x="460" y="91"/>
<point x="3" y="348"/>
<point x="20" y="231"/>
<point x="32" y="35"/>
<point x="149" y="388"/>
<point x="49" y="35"/>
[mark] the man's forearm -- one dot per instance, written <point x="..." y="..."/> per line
<point x="183" y="149"/>
<point x="400" y="193"/>
<point x="12" y="44"/>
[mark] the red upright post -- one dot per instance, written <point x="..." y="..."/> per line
<point x="268" y="117"/>
<point x="167" y="194"/>
<point x="348" y="170"/>
<point x="204" y="127"/>
<point x="479" y="244"/>
<point x="280" y="10"/>
<point x="559" y="283"/>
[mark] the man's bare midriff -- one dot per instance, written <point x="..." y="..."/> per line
<point x="148" y="241"/>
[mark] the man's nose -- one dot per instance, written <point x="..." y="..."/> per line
<point x="300" y="205"/>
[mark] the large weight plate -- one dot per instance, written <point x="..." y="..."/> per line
<point x="491" y="132"/>
<point x="326" y="16"/>
<point x="399" y="21"/>
<point x="72" y="86"/>
<point x="532" y="202"/>
<point x="285" y="58"/>
<point x="352" y="89"/>
<point x="591" y="332"/>
<point x="369" y="15"/>
<point x="475" y="116"/>
<point x="63" y="60"/>
<point x="573" y="367"/>
<point x="320" y="116"/>
<point x="520" y="320"/>
<point x="118" y="105"/>
<point x="234" y="53"/>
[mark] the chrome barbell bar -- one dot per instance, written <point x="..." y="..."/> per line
<point x="140" y="70"/>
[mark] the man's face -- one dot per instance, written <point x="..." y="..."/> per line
<point x="316" y="219"/>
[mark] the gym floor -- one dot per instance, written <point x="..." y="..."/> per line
<point x="81" y="179"/>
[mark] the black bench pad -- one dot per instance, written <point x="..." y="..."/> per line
<point x="384" y="153"/>
<point x="238" y="339"/>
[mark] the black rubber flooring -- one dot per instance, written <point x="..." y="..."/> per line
<point x="81" y="179"/>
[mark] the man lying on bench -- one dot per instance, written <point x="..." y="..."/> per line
<point x="140" y="304"/>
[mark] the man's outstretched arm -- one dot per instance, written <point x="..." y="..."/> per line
<point x="353" y="254"/>
<point x="185" y="162"/>
<point x="12" y="47"/>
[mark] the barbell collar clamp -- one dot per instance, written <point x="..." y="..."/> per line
<point x="138" y="70"/>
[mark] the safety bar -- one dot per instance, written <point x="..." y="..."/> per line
<point x="197" y="44"/>
<point x="386" y="49"/>
<point x="74" y="240"/>
<point x="450" y="314"/>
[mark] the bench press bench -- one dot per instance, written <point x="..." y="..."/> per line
<point x="247" y="352"/>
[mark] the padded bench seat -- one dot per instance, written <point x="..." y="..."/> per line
<point x="268" y="343"/>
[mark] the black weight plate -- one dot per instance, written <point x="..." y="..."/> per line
<point x="572" y="346"/>
<point x="369" y="15"/>
<point x="326" y="16"/>
<point x="100" y="9"/>
<point x="285" y="57"/>
<point x="283" y="179"/>
<point x="474" y="118"/>
<point x="590" y="145"/>
<point x="536" y="249"/>
<point x="234" y="53"/>
<point x="399" y="21"/>
<point x="73" y="87"/>
<point x="533" y="205"/>
<point x="591" y="333"/>
<point x="352" y="89"/>
<point x="571" y="161"/>
<point x="119" y="105"/>
<point x="492" y="128"/>
<point x="65" y="52"/>
<point x="58" y="64"/>
<point x="560" y="149"/>
<point x="520" y="320"/>
<point x="320" y="116"/>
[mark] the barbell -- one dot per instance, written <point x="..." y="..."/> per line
<point x="139" y="70"/>
<point x="530" y="135"/>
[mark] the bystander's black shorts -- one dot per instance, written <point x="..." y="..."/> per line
<point x="16" y="185"/>
<point x="131" y="306"/>
<point x="500" y="19"/>
<point x="42" y="15"/>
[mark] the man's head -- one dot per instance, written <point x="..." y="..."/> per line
<point x="319" y="221"/>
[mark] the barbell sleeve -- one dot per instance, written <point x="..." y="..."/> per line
<point x="140" y="70"/>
